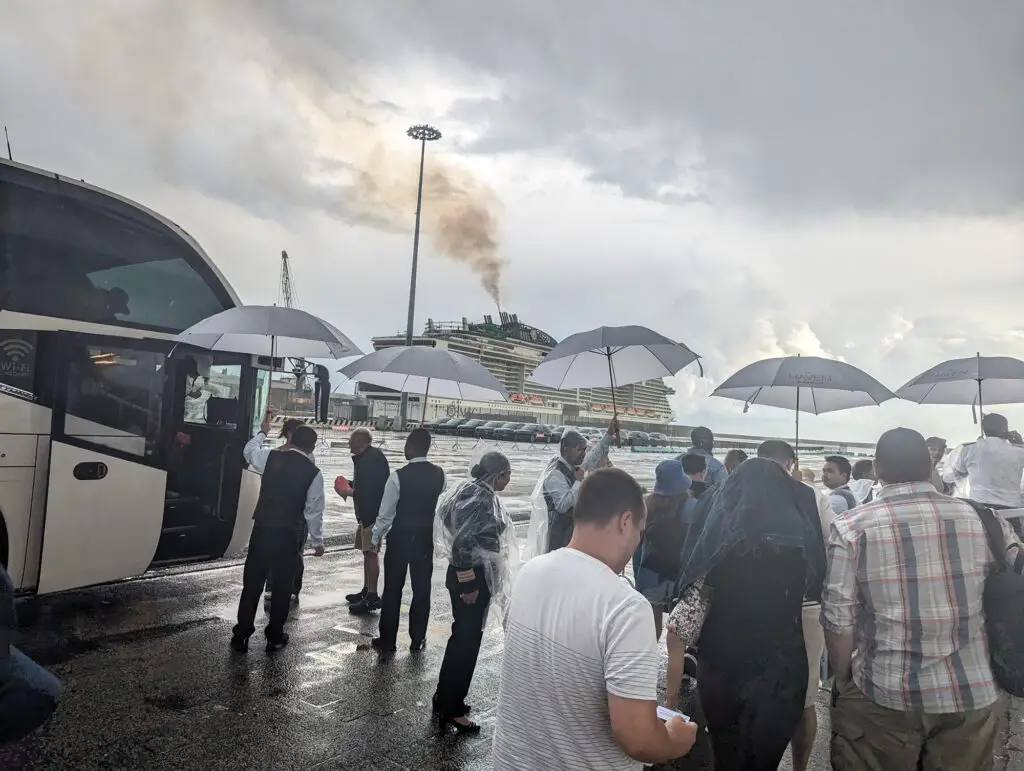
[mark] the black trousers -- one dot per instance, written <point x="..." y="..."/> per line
<point x="300" y="566"/>
<point x="412" y="553"/>
<point x="751" y="716"/>
<point x="271" y="550"/>
<point x="559" y="531"/>
<point x="463" y="646"/>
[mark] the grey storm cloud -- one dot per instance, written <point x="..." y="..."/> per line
<point x="791" y="105"/>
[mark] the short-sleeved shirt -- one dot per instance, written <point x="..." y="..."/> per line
<point x="906" y="575"/>
<point x="574" y="632"/>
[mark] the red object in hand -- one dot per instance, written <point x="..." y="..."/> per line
<point x="342" y="487"/>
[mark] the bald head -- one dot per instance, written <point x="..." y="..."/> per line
<point x="359" y="440"/>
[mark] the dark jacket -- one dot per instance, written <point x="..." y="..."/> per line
<point x="760" y="504"/>
<point x="371" y="474"/>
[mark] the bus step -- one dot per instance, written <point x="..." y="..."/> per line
<point x="178" y="529"/>
<point x="174" y="561"/>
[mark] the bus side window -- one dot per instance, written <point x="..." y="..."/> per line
<point x="115" y="397"/>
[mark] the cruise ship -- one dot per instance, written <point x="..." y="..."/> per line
<point x="511" y="350"/>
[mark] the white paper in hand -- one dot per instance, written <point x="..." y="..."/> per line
<point x="664" y="713"/>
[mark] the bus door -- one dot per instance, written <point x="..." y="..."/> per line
<point x="249" y="490"/>
<point x="105" y="495"/>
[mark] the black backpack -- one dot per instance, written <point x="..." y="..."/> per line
<point x="1003" y="599"/>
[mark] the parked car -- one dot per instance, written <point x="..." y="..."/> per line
<point x="431" y="425"/>
<point x="534" y="433"/>
<point x="639" y="439"/>
<point x="556" y="433"/>
<point x="449" y="427"/>
<point x="507" y="431"/>
<point x="659" y="440"/>
<point x="469" y="427"/>
<point x="486" y="431"/>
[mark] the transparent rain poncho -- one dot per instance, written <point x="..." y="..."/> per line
<point x="473" y="529"/>
<point x="537" y="533"/>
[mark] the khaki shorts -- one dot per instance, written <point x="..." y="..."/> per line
<point x="814" y="643"/>
<point x="364" y="538"/>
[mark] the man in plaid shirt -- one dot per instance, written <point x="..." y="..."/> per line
<point x="904" y="626"/>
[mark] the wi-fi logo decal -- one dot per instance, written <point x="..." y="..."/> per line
<point x="15" y="350"/>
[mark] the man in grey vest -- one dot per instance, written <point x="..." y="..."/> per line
<point x="563" y="477"/>
<point x="835" y="475"/>
<point x="407" y="519"/>
<point x="291" y="499"/>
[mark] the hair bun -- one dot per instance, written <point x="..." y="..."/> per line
<point x="477" y="471"/>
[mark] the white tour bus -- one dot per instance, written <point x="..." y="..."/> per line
<point x="118" y="452"/>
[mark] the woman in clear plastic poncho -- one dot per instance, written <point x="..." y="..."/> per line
<point x="473" y="531"/>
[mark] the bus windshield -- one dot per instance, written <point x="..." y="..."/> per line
<point x="75" y="253"/>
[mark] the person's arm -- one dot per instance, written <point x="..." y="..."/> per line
<point x="255" y="453"/>
<point x="598" y="452"/>
<point x="388" y="509"/>
<point x="958" y="464"/>
<point x="563" y="495"/>
<point x="314" y="512"/>
<point x="839" y="601"/>
<point x="631" y="663"/>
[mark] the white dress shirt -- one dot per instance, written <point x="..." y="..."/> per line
<point x="256" y="456"/>
<point x="389" y="504"/>
<point x="994" y="469"/>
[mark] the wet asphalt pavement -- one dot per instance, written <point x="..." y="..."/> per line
<point x="151" y="683"/>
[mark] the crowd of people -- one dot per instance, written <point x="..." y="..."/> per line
<point x="874" y="582"/>
<point x="773" y="585"/>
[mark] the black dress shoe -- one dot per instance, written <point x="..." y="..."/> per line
<point x="354" y="598"/>
<point x="278" y="644"/>
<point x="369" y="604"/>
<point x="417" y="645"/>
<point x="469" y="728"/>
<point x="240" y="644"/>
<point x="381" y="647"/>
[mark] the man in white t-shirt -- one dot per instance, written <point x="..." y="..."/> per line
<point x="579" y="674"/>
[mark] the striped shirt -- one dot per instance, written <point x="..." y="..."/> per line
<point x="906" y="573"/>
<point x="574" y="633"/>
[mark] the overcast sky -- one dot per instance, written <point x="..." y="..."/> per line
<point x="752" y="179"/>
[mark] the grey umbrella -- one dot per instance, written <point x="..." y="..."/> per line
<point x="804" y="384"/>
<point x="267" y="330"/>
<point x="418" y="369"/>
<point x="608" y="357"/>
<point x="976" y="380"/>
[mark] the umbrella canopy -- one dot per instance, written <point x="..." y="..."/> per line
<point x="429" y="371"/>
<point x="268" y="330"/>
<point x="608" y="357"/>
<point x="805" y="383"/>
<point x="977" y="380"/>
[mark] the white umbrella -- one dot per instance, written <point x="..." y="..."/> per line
<point x="976" y="380"/>
<point x="269" y="330"/>
<point x="422" y="370"/>
<point x="608" y="357"/>
<point x="804" y="384"/>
